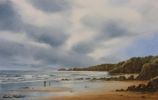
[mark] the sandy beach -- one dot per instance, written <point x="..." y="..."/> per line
<point x="108" y="93"/>
<point x="109" y="96"/>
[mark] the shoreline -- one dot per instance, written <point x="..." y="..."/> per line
<point x="95" y="87"/>
<point x="110" y="94"/>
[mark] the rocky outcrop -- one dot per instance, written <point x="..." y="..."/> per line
<point x="133" y="65"/>
<point x="139" y="88"/>
<point x="152" y="86"/>
<point x="13" y="96"/>
<point x="154" y="83"/>
<point x="149" y="70"/>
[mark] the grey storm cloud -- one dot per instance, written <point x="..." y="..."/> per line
<point x="53" y="37"/>
<point x="11" y="52"/>
<point x="13" y="49"/>
<point x="9" y="19"/>
<point x="106" y="29"/>
<point x="18" y="56"/>
<point x="51" y="6"/>
<point x="85" y="47"/>
<point x="113" y="29"/>
<point x="56" y="39"/>
<point x="10" y="49"/>
<point x="40" y="33"/>
<point x="60" y="57"/>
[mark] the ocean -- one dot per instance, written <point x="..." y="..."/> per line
<point x="11" y="81"/>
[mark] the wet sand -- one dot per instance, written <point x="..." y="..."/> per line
<point x="108" y="94"/>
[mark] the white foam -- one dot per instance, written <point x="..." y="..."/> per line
<point x="28" y="76"/>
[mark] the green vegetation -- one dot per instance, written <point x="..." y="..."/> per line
<point x="146" y="67"/>
<point x="102" y="67"/>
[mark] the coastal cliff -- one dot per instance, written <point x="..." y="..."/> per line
<point x="149" y="70"/>
<point x="146" y="67"/>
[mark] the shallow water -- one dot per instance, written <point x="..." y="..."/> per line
<point x="31" y="76"/>
<point x="12" y="81"/>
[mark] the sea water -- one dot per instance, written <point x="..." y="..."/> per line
<point x="11" y="81"/>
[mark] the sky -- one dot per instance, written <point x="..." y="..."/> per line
<point x="49" y="34"/>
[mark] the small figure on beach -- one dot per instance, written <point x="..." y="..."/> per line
<point x="45" y="83"/>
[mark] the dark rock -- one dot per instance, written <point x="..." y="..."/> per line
<point x="13" y="96"/>
<point x="150" y="70"/>
<point x="122" y="78"/>
<point x="7" y="96"/>
<point x="18" y="96"/>
<point x="141" y="87"/>
<point x="87" y="78"/>
<point x="62" y="69"/>
<point x="80" y="79"/>
<point x="152" y="86"/>
<point x="153" y="83"/>
<point x="65" y="79"/>
<point x="25" y="87"/>
<point x="94" y="78"/>
<point x="131" y="88"/>
<point x="120" y="90"/>
<point x="131" y="77"/>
